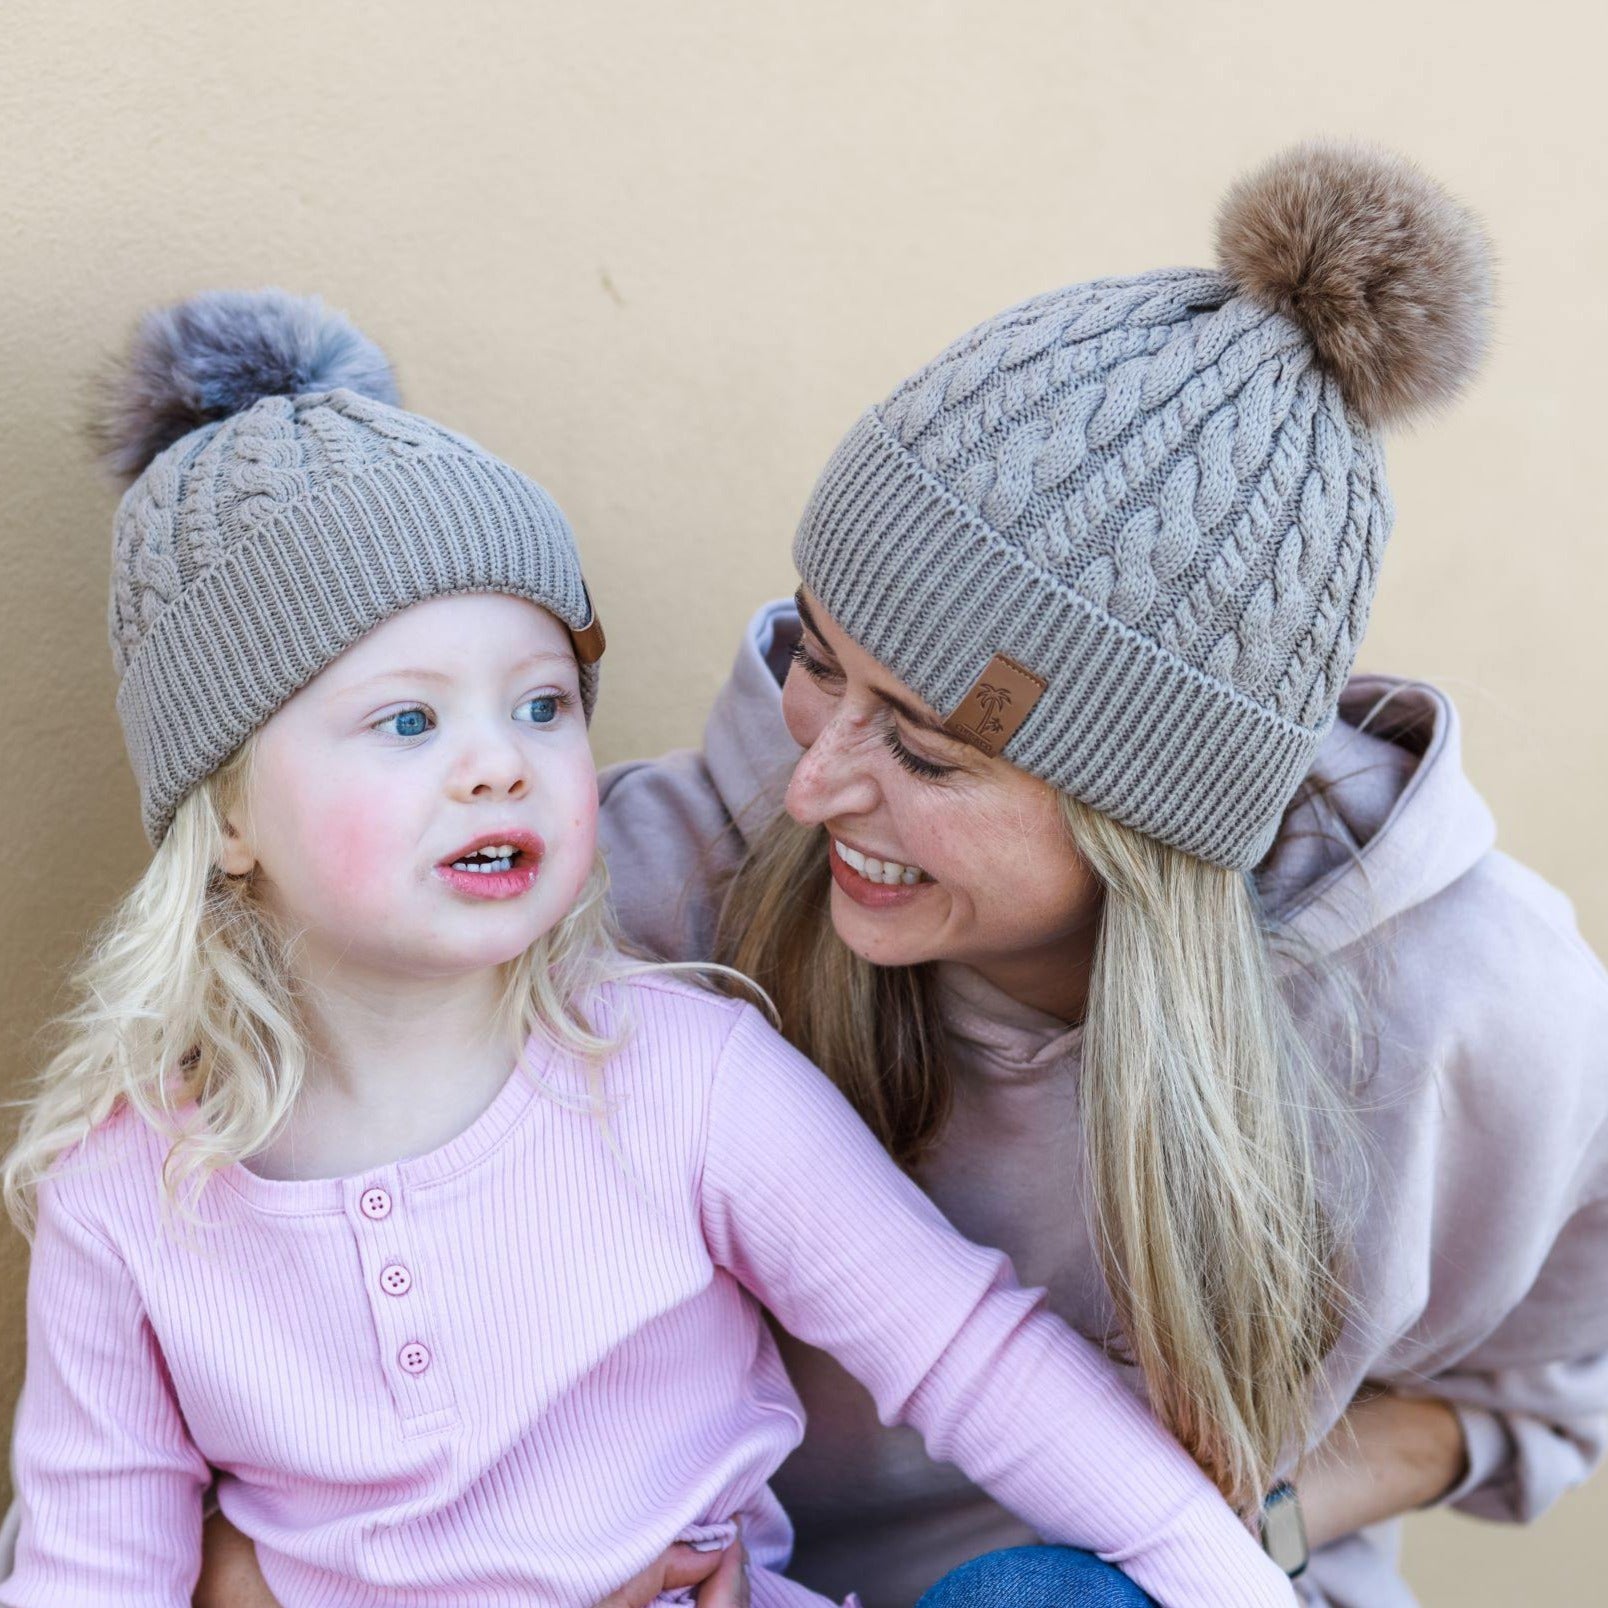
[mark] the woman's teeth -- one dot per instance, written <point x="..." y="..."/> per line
<point x="888" y="872"/>
<point x="494" y="857"/>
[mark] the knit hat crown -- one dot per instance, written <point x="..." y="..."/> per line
<point x="281" y="506"/>
<point x="1128" y="532"/>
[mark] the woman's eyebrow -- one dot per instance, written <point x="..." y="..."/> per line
<point x="916" y="717"/>
<point x="806" y="617"/>
<point x="900" y="706"/>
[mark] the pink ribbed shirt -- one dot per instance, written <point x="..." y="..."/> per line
<point x="513" y="1370"/>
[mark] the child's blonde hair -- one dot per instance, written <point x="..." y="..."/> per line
<point x="185" y="1010"/>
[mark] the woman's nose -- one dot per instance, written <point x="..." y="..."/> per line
<point x="832" y="779"/>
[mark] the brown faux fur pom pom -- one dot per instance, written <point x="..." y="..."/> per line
<point x="1388" y="275"/>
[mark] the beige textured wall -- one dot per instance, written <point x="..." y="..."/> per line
<point x="660" y="255"/>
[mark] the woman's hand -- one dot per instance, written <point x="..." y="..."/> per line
<point x="722" y="1578"/>
<point x="230" y="1577"/>
<point x="1389" y="1455"/>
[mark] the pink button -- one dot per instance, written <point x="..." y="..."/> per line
<point x="395" y="1279"/>
<point x="375" y="1203"/>
<point x="414" y="1357"/>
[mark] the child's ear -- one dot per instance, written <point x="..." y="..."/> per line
<point x="235" y="859"/>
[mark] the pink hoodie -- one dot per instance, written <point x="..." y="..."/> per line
<point x="1482" y="1254"/>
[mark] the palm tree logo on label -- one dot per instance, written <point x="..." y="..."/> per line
<point x="991" y="699"/>
<point x="1000" y="699"/>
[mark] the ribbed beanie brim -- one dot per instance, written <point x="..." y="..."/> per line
<point x="283" y="594"/>
<point x="927" y="588"/>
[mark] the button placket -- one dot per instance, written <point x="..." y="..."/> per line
<point x="405" y="1326"/>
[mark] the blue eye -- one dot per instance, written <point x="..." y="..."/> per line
<point x="405" y="723"/>
<point x="543" y="710"/>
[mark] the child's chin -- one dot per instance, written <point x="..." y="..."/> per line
<point x="476" y="957"/>
<point x="455" y="954"/>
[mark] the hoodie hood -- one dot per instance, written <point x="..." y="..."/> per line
<point x="1385" y="821"/>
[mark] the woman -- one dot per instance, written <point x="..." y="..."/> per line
<point x="1170" y="957"/>
<point x="1218" y="1012"/>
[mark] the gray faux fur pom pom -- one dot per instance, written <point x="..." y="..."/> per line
<point x="216" y="354"/>
<point x="1388" y="275"/>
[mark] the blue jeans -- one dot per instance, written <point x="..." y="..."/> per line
<point x="1036" y="1577"/>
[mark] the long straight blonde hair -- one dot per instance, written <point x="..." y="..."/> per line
<point x="184" y="1008"/>
<point x="1207" y="1123"/>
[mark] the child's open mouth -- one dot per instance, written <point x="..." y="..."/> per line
<point x="499" y="858"/>
<point x="497" y="866"/>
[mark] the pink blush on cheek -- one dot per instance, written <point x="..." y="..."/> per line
<point x="346" y="849"/>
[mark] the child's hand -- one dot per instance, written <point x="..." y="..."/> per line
<point x="721" y="1576"/>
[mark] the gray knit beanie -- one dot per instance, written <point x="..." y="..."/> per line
<point x="282" y="505"/>
<point x="1127" y="533"/>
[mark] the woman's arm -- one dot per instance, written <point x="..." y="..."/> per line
<point x="230" y="1577"/>
<point x="1532" y="1396"/>
<point x="1491" y="1116"/>
<point x="803" y="1206"/>
<point x="722" y="1579"/>
<point x="1389" y="1455"/>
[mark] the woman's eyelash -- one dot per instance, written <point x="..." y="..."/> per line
<point x="914" y="763"/>
<point x="809" y="664"/>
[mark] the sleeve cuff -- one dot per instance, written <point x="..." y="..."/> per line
<point x="1488" y="1447"/>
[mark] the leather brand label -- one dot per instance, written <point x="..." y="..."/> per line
<point x="1001" y="698"/>
<point x="588" y="641"/>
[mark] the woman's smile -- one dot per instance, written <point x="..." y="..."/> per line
<point x="876" y="884"/>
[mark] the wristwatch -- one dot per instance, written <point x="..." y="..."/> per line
<point x="1284" y="1537"/>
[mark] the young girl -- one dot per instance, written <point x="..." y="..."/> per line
<point x="372" y="1180"/>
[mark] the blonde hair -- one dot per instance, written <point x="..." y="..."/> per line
<point x="185" y="998"/>
<point x="1210" y="1129"/>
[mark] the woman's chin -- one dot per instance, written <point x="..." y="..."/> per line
<point x="892" y="936"/>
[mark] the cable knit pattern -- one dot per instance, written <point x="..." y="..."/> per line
<point x="253" y="551"/>
<point x="514" y="1369"/>
<point x="1155" y="461"/>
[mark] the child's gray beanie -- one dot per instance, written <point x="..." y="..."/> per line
<point x="1128" y="533"/>
<point x="283" y="507"/>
